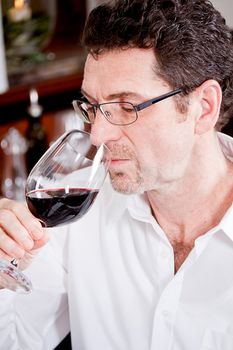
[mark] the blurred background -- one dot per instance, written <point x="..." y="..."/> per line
<point x="41" y="68"/>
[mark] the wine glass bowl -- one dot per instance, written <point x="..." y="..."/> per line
<point x="60" y="189"/>
<point x="64" y="183"/>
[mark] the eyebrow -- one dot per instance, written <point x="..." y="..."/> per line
<point x="123" y="94"/>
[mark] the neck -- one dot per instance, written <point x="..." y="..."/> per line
<point x="190" y="206"/>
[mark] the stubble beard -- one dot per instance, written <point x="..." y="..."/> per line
<point x="131" y="180"/>
<point x="122" y="183"/>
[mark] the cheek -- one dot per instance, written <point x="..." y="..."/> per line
<point x="166" y="148"/>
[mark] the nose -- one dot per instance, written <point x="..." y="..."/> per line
<point x="104" y="132"/>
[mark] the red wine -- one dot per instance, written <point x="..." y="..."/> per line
<point x="55" y="206"/>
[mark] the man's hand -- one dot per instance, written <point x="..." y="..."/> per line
<point x="21" y="234"/>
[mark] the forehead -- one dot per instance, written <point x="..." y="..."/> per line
<point x="120" y="70"/>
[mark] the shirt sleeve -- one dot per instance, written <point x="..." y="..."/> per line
<point x="38" y="320"/>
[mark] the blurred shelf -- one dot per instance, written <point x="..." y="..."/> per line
<point x="45" y="88"/>
<point x="56" y="90"/>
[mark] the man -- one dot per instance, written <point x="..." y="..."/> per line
<point x="149" y="267"/>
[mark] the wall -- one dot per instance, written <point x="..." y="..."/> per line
<point x="226" y="9"/>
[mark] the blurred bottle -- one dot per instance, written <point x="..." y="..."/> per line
<point x="35" y="134"/>
<point x="14" y="172"/>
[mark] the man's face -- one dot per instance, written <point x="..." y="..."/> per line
<point x="154" y="151"/>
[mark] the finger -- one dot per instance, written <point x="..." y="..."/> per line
<point x="4" y="256"/>
<point x="31" y="224"/>
<point x="40" y="242"/>
<point x="12" y="227"/>
<point x="9" y="247"/>
<point x="29" y="255"/>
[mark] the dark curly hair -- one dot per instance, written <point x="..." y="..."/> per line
<point x="191" y="40"/>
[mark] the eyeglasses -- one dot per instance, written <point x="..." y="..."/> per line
<point x="117" y="113"/>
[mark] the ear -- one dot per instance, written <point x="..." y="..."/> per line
<point x="209" y="96"/>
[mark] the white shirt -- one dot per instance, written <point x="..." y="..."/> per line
<point x="109" y="278"/>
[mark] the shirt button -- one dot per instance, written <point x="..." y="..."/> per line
<point x="166" y="313"/>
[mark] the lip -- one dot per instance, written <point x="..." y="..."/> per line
<point x="119" y="161"/>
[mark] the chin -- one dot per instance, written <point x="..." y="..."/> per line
<point x="124" y="184"/>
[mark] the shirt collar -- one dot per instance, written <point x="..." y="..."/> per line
<point x="226" y="224"/>
<point x="139" y="207"/>
<point x="226" y="144"/>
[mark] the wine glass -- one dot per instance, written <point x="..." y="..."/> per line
<point x="60" y="189"/>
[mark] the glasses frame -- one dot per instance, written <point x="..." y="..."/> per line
<point x="137" y="108"/>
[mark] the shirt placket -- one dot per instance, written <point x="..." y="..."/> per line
<point x="165" y="264"/>
<point x="165" y="313"/>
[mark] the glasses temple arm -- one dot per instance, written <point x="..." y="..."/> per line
<point x="157" y="99"/>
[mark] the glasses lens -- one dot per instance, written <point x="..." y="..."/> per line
<point x="84" y="110"/>
<point x="120" y="113"/>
